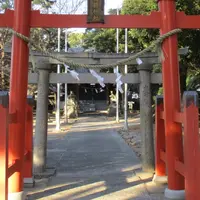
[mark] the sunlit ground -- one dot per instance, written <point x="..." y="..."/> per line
<point x="117" y="184"/>
<point x="127" y="186"/>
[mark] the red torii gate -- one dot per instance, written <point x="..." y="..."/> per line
<point x="166" y="19"/>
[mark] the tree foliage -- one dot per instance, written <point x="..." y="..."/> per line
<point x="188" y="38"/>
<point x="45" y="38"/>
<point x="101" y="40"/>
<point x="75" y="39"/>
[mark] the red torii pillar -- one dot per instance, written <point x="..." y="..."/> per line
<point x="171" y="85"/>
<point x="18" y="96"/>
<point x="22" y="19"/>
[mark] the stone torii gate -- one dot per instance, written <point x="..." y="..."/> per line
<point x="144" y="78"/>
<point x="22" y="18"/>
<point x="93" y="58"/>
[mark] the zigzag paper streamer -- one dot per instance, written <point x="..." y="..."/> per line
<point x="98" y="77"/>
<point x="118" y="80"/>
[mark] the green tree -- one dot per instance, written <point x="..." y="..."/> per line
<point x="188" y="38"/>
<point x="45" y="38"/>
<point x="140" y="39"/>
<point x="101" y="40"/>
<point x="75" y="39"/>
<point x="104" y="40"/>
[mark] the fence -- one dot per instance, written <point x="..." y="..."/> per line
<point x="188" y="164"/>
<point x="9" y="167"/>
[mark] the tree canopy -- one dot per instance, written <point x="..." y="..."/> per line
<point x="45" y="38"/>
<point x="104" y="40"/>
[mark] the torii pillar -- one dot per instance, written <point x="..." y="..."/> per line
<point x="171" y="85"/>
<point x="18" y="95"/>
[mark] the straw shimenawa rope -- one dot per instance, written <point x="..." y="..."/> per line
<point x="155" y="44"/>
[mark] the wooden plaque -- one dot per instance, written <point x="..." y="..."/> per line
<point x="95" y="11"/>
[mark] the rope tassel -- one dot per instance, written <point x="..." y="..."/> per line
<point x="161" y="55"/>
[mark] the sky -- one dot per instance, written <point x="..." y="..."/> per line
<point x="112" y="4"/>
<point x="83" y="8"/>
<point x="108" y="5"/>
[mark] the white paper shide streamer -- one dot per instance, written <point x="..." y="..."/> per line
<point x="73" y="73"/>
<point x="98" y="77"/>
<point x="118" y="80"/>
<point x="139" y="61"/>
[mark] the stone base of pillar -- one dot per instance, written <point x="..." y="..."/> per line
<point x="49" y="172"/>
<point x="143" y="174"/>
<point x="174" y="194"/>
<point x="160" y="179"/>
<point x="29" y="182"/>
<point x="17" y="196"/>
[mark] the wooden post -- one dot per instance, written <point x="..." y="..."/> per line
<point x="4" y="145"/>
<point x="191" y="145"/>
<point x="160" y="166"/>
<point x="28" y="165"/>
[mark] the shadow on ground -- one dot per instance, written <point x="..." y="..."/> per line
<point x="124" y="185"/>
<point x="93" y="163"/>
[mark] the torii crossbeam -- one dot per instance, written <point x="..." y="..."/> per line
<point x="166" y="19"/>
<point x="153" y="20"/>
